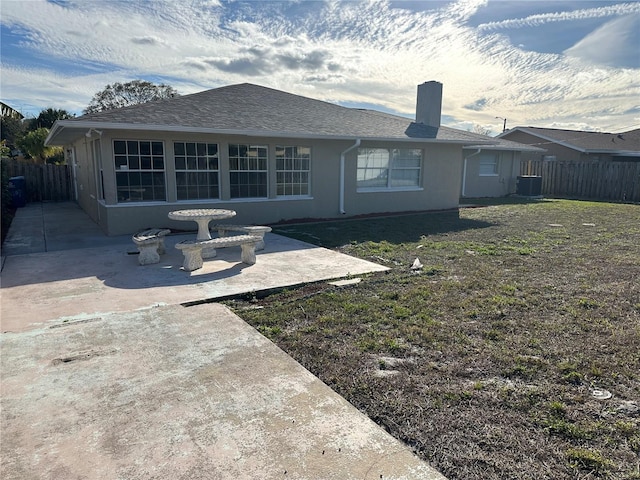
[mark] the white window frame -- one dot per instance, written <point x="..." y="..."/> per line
<point x="381" y="166"/>
<point x="293" y="171"/>
<point x="488" y="165"/>
<point x="150" y="166"/>
<point x="250" y="166"/>
<point x="197" y="164"/>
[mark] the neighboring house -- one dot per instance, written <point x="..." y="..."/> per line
<point x="577" y="146"/>
<point x="7" y="111"/>
<point x="273" y="156"/>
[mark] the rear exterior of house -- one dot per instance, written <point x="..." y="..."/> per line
<point x="270" y="156"/>
<point x="265" y="180"/>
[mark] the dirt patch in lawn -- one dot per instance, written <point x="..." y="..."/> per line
<point x="512" y="353"/>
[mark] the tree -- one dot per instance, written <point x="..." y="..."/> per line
<point x="481" y="130"/>
<point x="11" y="128"/>
<point x="47" y="118"/>
<point x="4" y="150"/>
<point x="33" y="145"/>
<point x="131" y="93"/>
<point x="6" y="207"/>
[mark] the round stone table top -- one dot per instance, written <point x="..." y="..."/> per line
<point x="199" y="213"/>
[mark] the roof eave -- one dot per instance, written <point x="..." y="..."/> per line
<point x="52" y="133"/>
<point x="61" y="125"/>
<point x="507" y="148"/>
<point x="626" y="154"/>
<point x="621" y="153"/>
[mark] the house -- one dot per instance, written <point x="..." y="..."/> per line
<point x="576" y="145"/>
<point x="492" y="170"/>
<point x="7" y="111"/>
<point x="273" y="156"/>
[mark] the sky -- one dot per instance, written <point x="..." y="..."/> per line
<point x="557" y="64"/>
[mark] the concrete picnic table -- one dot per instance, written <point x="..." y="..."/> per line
<point x="202" y="216"/>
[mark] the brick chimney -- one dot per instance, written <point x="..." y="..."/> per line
<point x="429" y="104"/>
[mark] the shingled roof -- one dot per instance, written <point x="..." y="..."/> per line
<point x="586" y="142"/>
<point x="255" y="110"/>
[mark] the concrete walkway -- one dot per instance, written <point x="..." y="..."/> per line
<point x="111" y="370"/>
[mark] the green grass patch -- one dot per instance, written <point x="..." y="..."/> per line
<point x="504" y="333"/>
<point x="587" y="459"/>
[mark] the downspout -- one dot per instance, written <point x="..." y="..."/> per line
<point x="97" y="163"/>
<point x="514" y="174"/>
<point x="464" y="172"/>
<point x="91" y="154"/>
<point x="355" y="145"/>
<point x="74" y="171"/>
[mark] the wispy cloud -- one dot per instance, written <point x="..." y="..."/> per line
<point x="608" y="45"/>
<point x="369" y="52"/>
<point x="573" y="15"/>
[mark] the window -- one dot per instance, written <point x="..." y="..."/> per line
<point x="197" y="170"/>
<point x="248" y="171"/>
<point x="292" y="170"/>
<point x="488" y="164"/>
<point x="393" y="168"/>
<point x="139" y="170"/>
<point x="549" y="158"/>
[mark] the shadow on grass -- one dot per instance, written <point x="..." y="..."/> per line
<point x="393" y="229"/>
<point x="492" y="201"/>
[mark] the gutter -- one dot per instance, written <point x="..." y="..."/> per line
<point x="61" y="125"/>
<point x="523" y="147"/>
<point x="74" y="170"/>
<point x="342" y="160"/>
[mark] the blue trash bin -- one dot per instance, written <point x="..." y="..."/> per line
<point x="18" y="189"/>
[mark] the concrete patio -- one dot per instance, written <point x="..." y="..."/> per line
<point x="111" y="370"/>
<point x="59" y="265"/>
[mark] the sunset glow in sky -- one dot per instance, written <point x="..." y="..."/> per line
<point x="569" y="64"/>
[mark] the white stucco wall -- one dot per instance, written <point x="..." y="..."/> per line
<point x="86" y="178"/>
<point x="439" y="185"/>
<point x="498" y="185"/>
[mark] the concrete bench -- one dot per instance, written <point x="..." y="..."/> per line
<point x="150" y="244"/>
<point x="192" y="249"/>
<point x="255" y="230"/>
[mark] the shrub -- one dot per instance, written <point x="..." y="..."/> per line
<point x="7" y="209"/>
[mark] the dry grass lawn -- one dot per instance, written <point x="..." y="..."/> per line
<point x="495" y="360"/>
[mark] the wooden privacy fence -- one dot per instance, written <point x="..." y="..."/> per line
<point x="614" y="181"/>
<point x="52" y="183"/>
